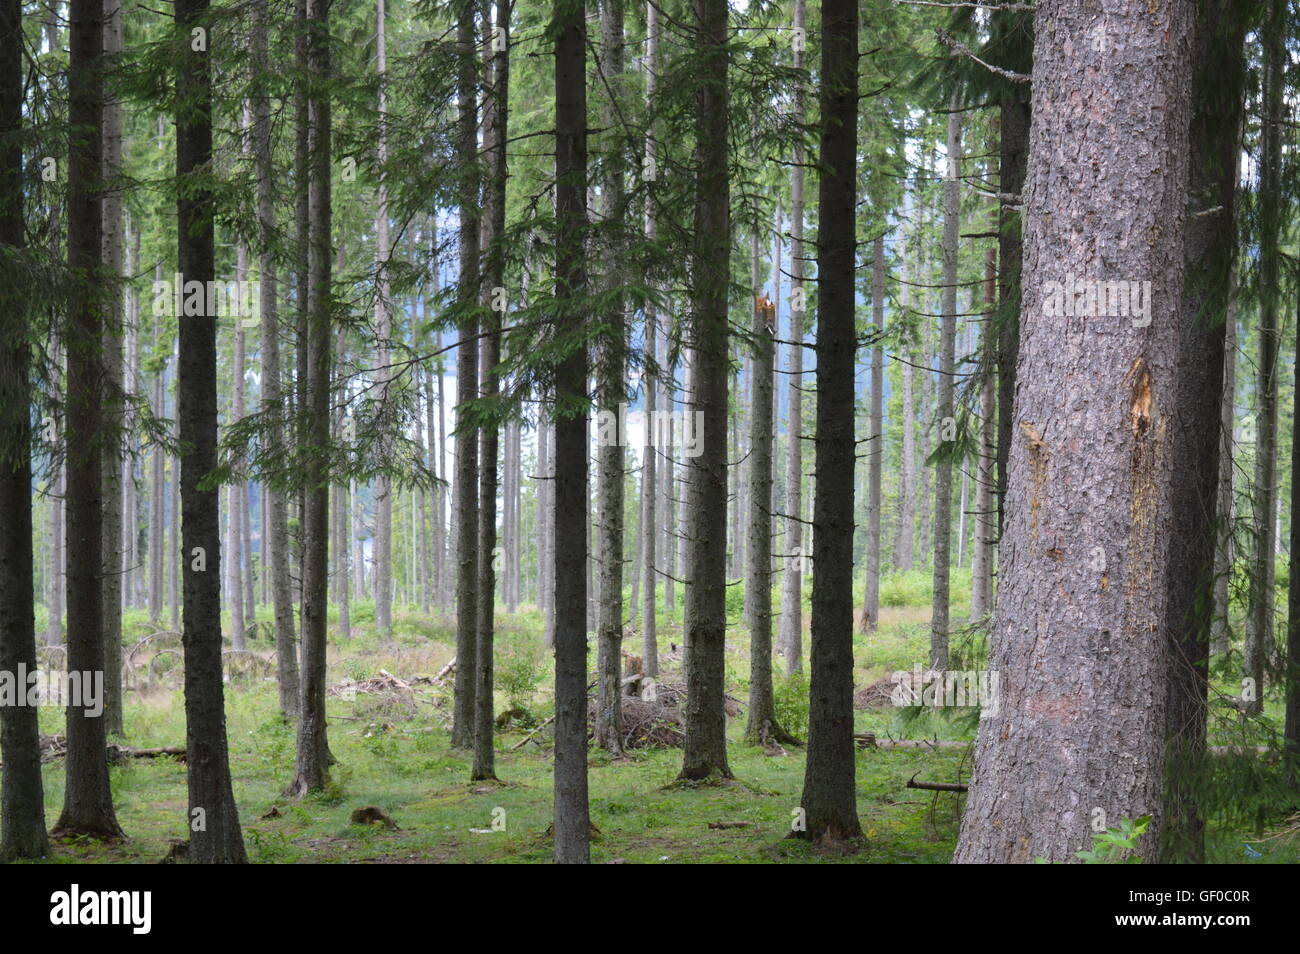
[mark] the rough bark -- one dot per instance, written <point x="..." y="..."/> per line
<point x="114" y="402"/>
<point x="276" y="533"/>
<point x="495" y="132"/>
<point x="611" y="370"/>
<point x="705" y="749"/>
<point x="467" y="282"/>
<point x="213" y="819"/>
<point x="312" y="763"/>
<point x="22" y="796"/>
<point x="384" y="330"/>
<point x="88" y="799"/>
<point x="572" y="819"/>
<point x="1218" y="92"/>
<point x="829" y="801"/>
<point x="1081" y="629"/>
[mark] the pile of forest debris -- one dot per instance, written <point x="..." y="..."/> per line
<point x="656" y="720"/>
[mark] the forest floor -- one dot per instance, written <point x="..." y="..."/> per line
<point x="393" y="753"/>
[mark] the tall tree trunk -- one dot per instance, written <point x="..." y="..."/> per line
<point x="653" y="443"/>
<point x="1259" y="616"/>
<point x="467" y="289"/>
<point x="762" y="725"/>
<point x="235" y="490"/>
<point x="1224" y="512"/>
<point x="22" y="795"/>
<point x="1215" y="140"/>
<point x="1089" y="500"/>
<point x="876" y="444"/>
<point x="947" y="345"/>
<point x="829" y="799"/>
<point x="176" y="558"/>
<point x="215" y="836"/>
<point x="572" y="818"/>
<point x="88" y="798"/>
<point x="114" y="403"/>
<point x="705" y="750"/>
<point x="157" y="495"/>
<point x="903" y="535"/>
<point x="130" y="539"/>
<point x="384" y="330"/>
<point x="311" y="769"/>
<point x="611" y="370"/>
<point x="446" y="539"/>
<point x="546" y="518"/>
<point x="496" y="110"/>
<point x="791" y="629"/>
<point x="986" y="453"/>
<point x="275" y="534"/>
<point x="1013" y="167"/>
<point x="59" y="484"/>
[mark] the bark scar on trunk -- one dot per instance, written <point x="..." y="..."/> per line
<point x="1039" y="454"/>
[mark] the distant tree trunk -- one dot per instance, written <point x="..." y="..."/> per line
<point x="1220" y="628"/>
<point x="467" y="289"/>
<point x="791" y="628"/>
<point x="1218" y="97"/>
<point x="130" y="541"/>
<point x="986" y="454"/>
<point x="495" y="129"/>
<point x="1259" y="616"/>
<point x="176" y="559"/>
<point x="829" y="799"/>
<point x="946" y="414"/>
<point x="384" y="330"/>
<point x="546" y="519"/>
<point x="235" y="490"/>
<point x="572" y="819"/>
<point x="343" y="521"/>
<point x="215" y="836"/>
<point x="54" y="631"/>
<point x="611" y="370"/>
<point x="276" y="532"/>
<point x="653" y="444"/>
<point x="114" y="403"/>
<point x="1089" y="508"/>
<point x="88" y="798"/>
<point x="762" y="725"/>
<point x="1013" y="166"/>
<point x="876" y="444"/>
<point x="22" y="795"/>
<point x="311" y="769"/>
<point x="157" y="496"/>
<point x="903" y="536"/>
<point x="705" y="749"/>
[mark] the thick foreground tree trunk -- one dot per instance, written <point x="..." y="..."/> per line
<point x="1074" y="736"/>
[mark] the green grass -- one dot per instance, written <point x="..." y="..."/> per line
<point x="405" y="766"/>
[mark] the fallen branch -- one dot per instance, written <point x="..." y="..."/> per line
<point x="936" y="786"/>
<point x="525" y="739"/>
